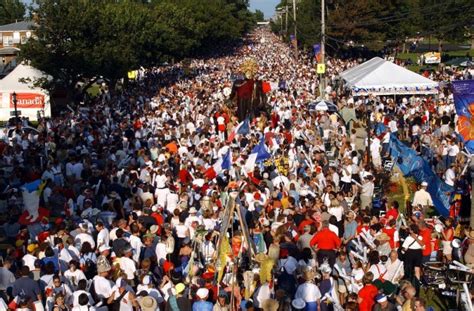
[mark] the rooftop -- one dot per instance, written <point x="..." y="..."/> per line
<point x="18" y="26"/>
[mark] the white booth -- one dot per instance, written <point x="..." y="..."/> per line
<point x="380" y="77"/>
<point x="31" y="101"/>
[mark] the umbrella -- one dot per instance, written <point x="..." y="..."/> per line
<point x="325" y="106"/>
<point x="280" y="180"/>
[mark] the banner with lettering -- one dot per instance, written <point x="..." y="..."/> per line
<point x="27" y="100"/>
<point x="463" y="92"/>
<point x="412" y="165"/>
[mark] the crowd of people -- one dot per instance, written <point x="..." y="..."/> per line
<point x="131" y="217"/>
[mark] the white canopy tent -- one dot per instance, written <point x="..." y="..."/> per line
<point x="380" y="77"/>
<point x="31" y="99"/>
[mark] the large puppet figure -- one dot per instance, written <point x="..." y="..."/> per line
<point x="248" y="93"/>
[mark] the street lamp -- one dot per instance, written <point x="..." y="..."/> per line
<point x="14" y="104"/>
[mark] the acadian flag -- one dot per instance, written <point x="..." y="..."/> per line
<point x="463" y="92"/>
<point x="224" y="251"/>
<point x="224" y="163"/>
<point x="259" y="154"/>
<point x="243" y="128"/>
<point x="317" y="52"/>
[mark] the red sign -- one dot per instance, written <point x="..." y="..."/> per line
<point x="27" y="100"/>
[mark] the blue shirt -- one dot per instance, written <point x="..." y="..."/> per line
<point x="202" y="306"/>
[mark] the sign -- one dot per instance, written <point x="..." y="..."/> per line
<point x="432" y="58"/>
<point x="321" y="69"/>
<point x="12" y="113"/>
<point x="27" y="100"/>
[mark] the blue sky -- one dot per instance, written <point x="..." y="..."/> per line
<point x="266" y="6"/>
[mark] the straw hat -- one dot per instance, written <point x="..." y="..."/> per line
<point x="309" y="275"/>
<point x="270" y="305"/>
<point x="383" y="237"/>
<point x="148" y="303"/>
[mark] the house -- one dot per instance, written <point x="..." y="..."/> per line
<point x="12" y="36"/>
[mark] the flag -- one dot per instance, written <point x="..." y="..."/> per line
<point x="317" y="52"/>
<point x="463" y="92"/>
<point x="266" y="87"/>
<point x="223" y="163"/>
<point x="412" y="165"/>
<point x="223" y="251"/>
<point x="259" y="154"/>
<point x="243" y="128"/>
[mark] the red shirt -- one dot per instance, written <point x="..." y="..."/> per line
<point x="426" y="235"/>
<point x="362" y="227"/>
<point x="392" y="212"/>
<point x="367" y="294"/>
<point x="326" y="240"/>
<point x="391" y="233"/>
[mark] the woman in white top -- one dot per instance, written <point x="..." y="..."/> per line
<point x="309" y="292"/>
<point x="413" y="248"/>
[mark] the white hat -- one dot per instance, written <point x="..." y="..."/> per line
<point x="202" y="293"/>
<point x="298" y="303"/>
<point x="424" y="184"/>
<point x="153" y="229"/>
<point x="146" y="280"/>
<point x="192" y="210"/>
<point x="104" y="248"/>
<point x="381" y="298"/>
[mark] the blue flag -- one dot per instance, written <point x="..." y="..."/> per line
<point x="261" y="151"/>
<point x="32" y="186"/>
<point x="227" y="161"/>
<point x="317" y="51"/>
<point x="415" y="166"/>
<point x="463" y="92"/>
<point x="244" y="129"/>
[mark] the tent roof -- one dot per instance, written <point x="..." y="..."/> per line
<point x="11" y="81"/>
<point x="381" y="77"/>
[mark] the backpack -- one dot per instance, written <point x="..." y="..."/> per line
<point x="93" y="293"/>
<point x="90" y="269"/>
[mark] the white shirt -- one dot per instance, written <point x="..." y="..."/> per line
<point x="309" y="292"/>
<point x="449" y="176"/>
<point x="378" y="270"/>
<point x="423" y="198"/>
<point x="128" y="267"/>
<point x="392" y="269"/>
<point x="102" y="286"/>
<point x="136" y="245"/>
<point x="453" y="150"/>
<point x="29" y="260"/>
<point x="160" y="251"/>
<point x="84" y="237"/>
<point x="409" y="244"/>
<point x="103" y="237"/>
<point x="77" y="293"/>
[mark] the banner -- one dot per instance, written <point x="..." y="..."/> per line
<point x="463" y="92"/>
<point x="415" y="166"/>
<point x="432" y="58"/>
<point x="27" y="100"/>
<point x="317" y="52"/>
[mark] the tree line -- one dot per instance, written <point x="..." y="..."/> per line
<point x="80" y="40"/>
<point x="373" y="23"/>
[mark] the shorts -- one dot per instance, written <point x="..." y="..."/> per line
<point x="414" y="257"/>
<point x="447" y="248"/>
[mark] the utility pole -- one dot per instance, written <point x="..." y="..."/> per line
<point x="294" y="20"/>
<point x="322" y="77"/>
<point x="286" y="19"/>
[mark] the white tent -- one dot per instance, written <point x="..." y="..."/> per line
<point x="31" y="100"/>
<point x="380" y="77"/>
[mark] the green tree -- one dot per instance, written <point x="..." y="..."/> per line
<point x="11" y="11"/>
<point x="259" y="16"/>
